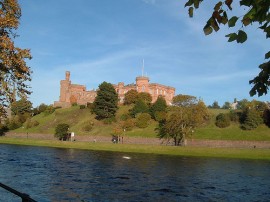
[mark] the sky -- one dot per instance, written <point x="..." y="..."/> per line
<point x="105" y="40"/>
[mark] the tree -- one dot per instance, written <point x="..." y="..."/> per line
<point x="142" y="121"/>
<point x="257" y="12"/>
<point x="226" y="105"/>
<point x="183" y="100"/>
<point x="215" y="105"/>
<point x="242" y="104"/>
<point x="223" y="120"/>
<point x="14" y="72"/>
<point x="146" y="97"/>
<point x="187" y="114"/>
<point x="159" y="106"/>
<point x="131" y="97"/>
<point x="61" y="131"/>
<point x="23" y="106"/>
<point x="139" y="107"/>
<point x="105" y="104"/>
<point x="266" y="117"/>
<point x="252" y="119"/>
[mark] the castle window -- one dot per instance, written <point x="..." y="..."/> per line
<point x="160" y="92"/>
<point x="143" y="88"/>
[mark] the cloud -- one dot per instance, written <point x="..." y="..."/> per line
<point x="149" y="1"/>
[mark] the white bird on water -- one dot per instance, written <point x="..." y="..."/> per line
<point x="126" y="157"/>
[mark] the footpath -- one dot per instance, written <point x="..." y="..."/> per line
<point x="150" y="141"/>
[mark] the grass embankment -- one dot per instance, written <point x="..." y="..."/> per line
<point x="258" y="154"/>
<point x="76" y="118"/>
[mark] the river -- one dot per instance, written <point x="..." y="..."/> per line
<point x="50" y="174"/>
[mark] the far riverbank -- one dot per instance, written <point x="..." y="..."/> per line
<point x="188" y="151"/>
<point x="151" y="141"/>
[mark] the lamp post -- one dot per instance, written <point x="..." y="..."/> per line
<point x="124" y="135"/>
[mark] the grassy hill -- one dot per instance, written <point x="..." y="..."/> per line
<point x="76" y="118"/>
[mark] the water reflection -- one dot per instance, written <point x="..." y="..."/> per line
<point x="49" y="174"/>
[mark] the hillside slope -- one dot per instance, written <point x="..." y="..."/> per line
<point x="76" y="118"/>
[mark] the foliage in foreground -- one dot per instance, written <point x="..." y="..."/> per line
<point x="15" y="74"/>
<point x="257" y="12"/>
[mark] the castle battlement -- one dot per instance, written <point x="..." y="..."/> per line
<point x="76" y="93"/>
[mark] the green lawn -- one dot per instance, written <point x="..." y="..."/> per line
<point x="76" y="117"/>
<point x="259" y="154"/>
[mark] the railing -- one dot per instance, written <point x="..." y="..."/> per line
<point x="24" y="197"/>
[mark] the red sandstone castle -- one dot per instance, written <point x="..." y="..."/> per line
<point x="70" y="93"/>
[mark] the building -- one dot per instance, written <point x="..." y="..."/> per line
<point x="75" y="93"/>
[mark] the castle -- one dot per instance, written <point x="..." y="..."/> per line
<point x="75" y="93"/>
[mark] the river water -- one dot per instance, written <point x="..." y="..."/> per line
<point x="49" y="174"/>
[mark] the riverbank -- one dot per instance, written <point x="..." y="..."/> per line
<point x="150" y="141"/>
<point x="188" y="151"/>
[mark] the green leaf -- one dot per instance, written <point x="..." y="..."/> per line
<point x="246" y="3"/>
<point x="232" y="21"/>
<point x="232" y="37"/>
<point x="207" y="30"/>
<point x="189" y="3"/>
<point x="242" y="36"/>
<point x="224" y="20"/>
<point x="267" y="55"/>
<point x="190" y="12"/>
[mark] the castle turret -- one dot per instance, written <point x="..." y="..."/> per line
<point x="142" y="83"/>
<point x="64" y="87"/>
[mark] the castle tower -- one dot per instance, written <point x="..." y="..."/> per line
<point x="142" y="83"/>
<point x="64" y="88"/>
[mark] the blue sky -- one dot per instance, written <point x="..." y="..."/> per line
<point x="105" y="40"/>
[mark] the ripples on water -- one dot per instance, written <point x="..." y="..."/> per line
<point x="49" y="174"/>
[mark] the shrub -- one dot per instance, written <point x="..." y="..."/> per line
<point x="128" y="124"/>
<point x="88" y="126"/>
<point x="139" y="107"/>
<point x="31" y="123"/>
<point x="3" y="129"/>
<point x="252" y="120"/>
<point x="49" y="110"/>
<point x="222" y="120"/>
<point x="42" y="107"/>
<point x="117" y="131"/>
<point x="124" y="117"/>
<point x="142" y="121"/>
<point x="235" y="116"/>
<point x="266" y="117"/>
<point x="158" y="106"/>
<point x="109" y="120"/>
<point x="14" y="123"/>
<point x="159" y="116"/>
<point x="35" y="123"/>
<point x="82" y="106"/>
<point x="89" y="105"/>
<point x="61" y="131"/>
